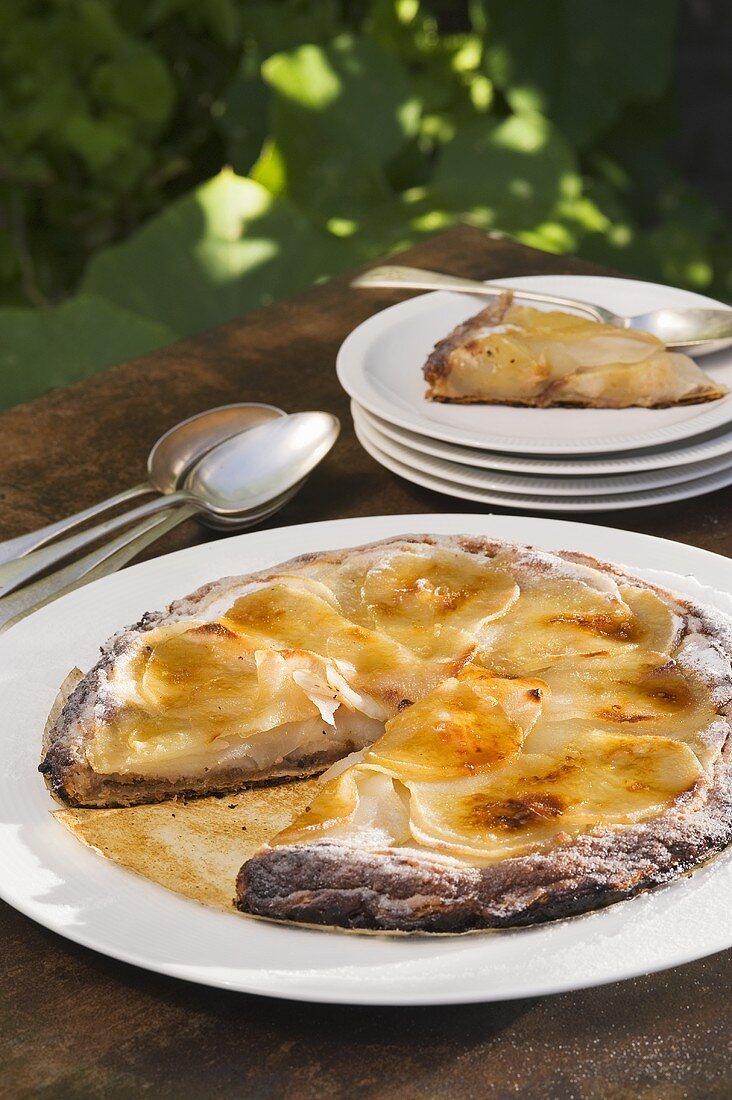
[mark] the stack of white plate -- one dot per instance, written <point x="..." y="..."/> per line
<point x="548" y="460"/>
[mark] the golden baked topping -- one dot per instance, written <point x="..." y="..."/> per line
<point x="436" y="604"/>
<point x="556" y="617"/>
<point x="335" y="805"/>
<point x="600" y="779"/>
<point x="465" y="726"/>
<point x="494" y="702"/>
<point x="284" y="616"/>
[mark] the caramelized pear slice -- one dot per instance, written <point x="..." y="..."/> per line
<point x="192" y="689"/>
<point x="436" y="603"/>
<point x="655" y="626"/>
<point x="644" y="690"/>
<point x="640" y="692"/>
<point x="660" y="379"/>
<point x="467" y="725"/>
<point x="334" y="806"/>
<point x="553" y="618"/>
<point x="602" y="779"/>
<point x="183" y="659"/>
<point x="286" y="617"/>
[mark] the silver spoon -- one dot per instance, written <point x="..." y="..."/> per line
<point x="168" y="462"/>
<point x="698" y="331"/>
<point x="237" y="478"/>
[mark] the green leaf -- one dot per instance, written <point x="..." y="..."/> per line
<point x="579" y="61"/>
<point x="340" y="113"/>
<point x="223" y="249"/>
<point x="99" y="142"/>
<point x="137" y="82"/>
<point x="509" y="174"/>
<point x="40" y="349"/>
<point x="277" y="25"/>
<point x="244" y="114"/>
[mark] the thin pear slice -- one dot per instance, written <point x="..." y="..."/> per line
<point x="466" y="726"/>
<point x="663" y="378"/>
<point x="655" y="626"/>
<point x="435" y="604"/>
<point x="334" y="806"/>
<point x="601" y="779"/>
<point x="554" y="618"/>
<point x="647" y="691"/>
<point x="287" y="617"/>
<point x="199" y="690"/>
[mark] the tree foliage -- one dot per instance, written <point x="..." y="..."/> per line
<point x="169" y="164"/>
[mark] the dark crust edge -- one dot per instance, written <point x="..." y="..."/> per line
<point x="331" y="884"/>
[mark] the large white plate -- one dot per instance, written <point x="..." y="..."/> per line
<point x="701" y="448"/>
<point x="65" y="886"/>
<point x="455" y="485"/>
<point x="380" y="366"/>
<point x="497" y="481"/>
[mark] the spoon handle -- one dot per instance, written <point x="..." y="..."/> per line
<point x="416" y="278"/>
<point x="14" y="574"/>
<point x="100" y="562"/>
<point x="23" y="544"/>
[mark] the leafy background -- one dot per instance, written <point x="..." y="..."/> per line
<point x="166" y="165"/>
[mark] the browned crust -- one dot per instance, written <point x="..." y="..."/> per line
<point x="438" y="363"/>
<point x="538" y="404"/>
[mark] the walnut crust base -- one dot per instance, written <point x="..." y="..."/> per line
<point x="403" y="890"/>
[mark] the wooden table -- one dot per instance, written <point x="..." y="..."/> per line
<point x="76" y="1024"/>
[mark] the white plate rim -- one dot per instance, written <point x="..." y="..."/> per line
<point x="534" y="485"/>
<point x="609" y="928"/>
<point x="611" y="503"/>
<point x="358" y="385"/>
<point x="719" y="443"/>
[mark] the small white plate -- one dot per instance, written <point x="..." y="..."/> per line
<point x="380" y="366"/>
<point x="714" y="444"/>
<point x="612" y="502"/>
<point x="60" y="883"/>
<point x="569" y="486"/>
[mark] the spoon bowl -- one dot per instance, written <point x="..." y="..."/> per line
<point x="181" y="446"/>
<point x="697" y="331"/>
<point x="168" y="463"/>
<point x="249" y="519"/>
<point x="253" y="468"/>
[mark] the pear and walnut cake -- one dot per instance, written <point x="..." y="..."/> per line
<point x="515" y="355"/>
<point x="509" y="735"/>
